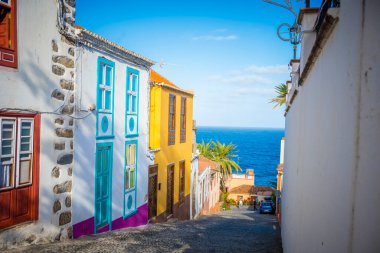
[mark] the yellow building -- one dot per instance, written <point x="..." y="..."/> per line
<point x="171" y="119"/>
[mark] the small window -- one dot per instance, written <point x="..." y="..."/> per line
<point x="8" y="143"/>
<point x="183" y="119"/>
<point x="130" y="177"/>
<point x="8" y="43"/>
<point x="172" y="103"/>
<point x="132" y="94"/>
<point x="105" y="88"/>
<point x="25" y="152"/>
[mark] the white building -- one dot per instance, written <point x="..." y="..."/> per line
<point x="111" y="153"/>
<point x="330" y="197"/>
<point x="194" y="190"/>
<point x="208" y="186"/>
<point x="37" y="60"/>
<point x="73" y="127"/>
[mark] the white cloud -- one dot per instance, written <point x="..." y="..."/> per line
<point x="262" y="91"/>
<point x="252" y="80"/>
<point x="244" y="78"/>
<point x="216" y="37"/>
<point x="274" y="69"/>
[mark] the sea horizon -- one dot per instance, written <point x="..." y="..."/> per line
<point x="258" y="148"/>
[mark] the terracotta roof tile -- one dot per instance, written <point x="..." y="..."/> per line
<point x="249" y="189"/>
<point x="157" y="78"/>
<point x="203" y="163"/>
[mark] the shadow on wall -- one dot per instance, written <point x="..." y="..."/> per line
<point x="34" y="88"/>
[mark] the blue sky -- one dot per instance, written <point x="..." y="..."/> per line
<point x="227" y="52"/>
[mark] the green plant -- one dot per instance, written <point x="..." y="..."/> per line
<point x="223" y="154"/>
<point x="274" y="198"/>
<point x="232" y="202"/>
<point x="226" y="206"/>
<point x="280" y="99"/>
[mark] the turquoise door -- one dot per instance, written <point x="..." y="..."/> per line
<point x="103" y="182"/>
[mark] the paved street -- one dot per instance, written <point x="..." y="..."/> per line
<point x="239" y="230"/>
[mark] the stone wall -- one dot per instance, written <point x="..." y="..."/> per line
<point x="63" y="66"/>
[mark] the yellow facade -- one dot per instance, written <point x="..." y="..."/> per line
<point x="166" y="154"/>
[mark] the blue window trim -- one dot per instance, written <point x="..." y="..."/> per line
<point x="109" y="203"/>
<point x="102" y="60"/>
<point x="126" y="215"/>
<point x="136" y="72"/>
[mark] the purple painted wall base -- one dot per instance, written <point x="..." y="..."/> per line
<point x="137" y="219"/>
<point x="86" y="227"/>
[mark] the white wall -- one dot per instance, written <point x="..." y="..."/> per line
<point x="85" y="140"/>
<point x="330" y="198"/>
<point x="194" y="181"/>
<point x="30" y="87"/>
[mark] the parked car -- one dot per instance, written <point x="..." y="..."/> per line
<point x="267" y="207"/>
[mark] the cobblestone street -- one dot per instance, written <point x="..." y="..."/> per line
<point x="239" y="230"/>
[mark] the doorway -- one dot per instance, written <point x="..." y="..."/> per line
<point x="152" y="191"/>
<point x="103" y="182"/>
<point x="170" y="191"/>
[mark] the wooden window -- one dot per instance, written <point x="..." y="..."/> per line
<point x="183" y="119"/>
<point x="130" y="177"/>
<point x="8" y="34"/>
<point x="25" y="152"/>
<point x="105" y="88"/>
<point x="16" y="170"/>
<point x="8" y="146"/>
<point x="172" y="104"/>
<point x="181" y="182"/>
<point x="19" y="167"/>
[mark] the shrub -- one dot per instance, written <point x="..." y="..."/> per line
<point x="232" y="202"/>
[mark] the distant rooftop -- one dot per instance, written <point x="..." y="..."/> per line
<point x="252" y="190"/>
<point x="157" y="79"/>
<point x="203" y="163"/>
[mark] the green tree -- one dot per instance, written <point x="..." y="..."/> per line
<point x="223" y="154"/>
<point x="280" y="99"/>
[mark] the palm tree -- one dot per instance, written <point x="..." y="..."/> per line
<point x="205" y="149"/>
<point x="282" y="91"/>
<point x="223" y="154"/>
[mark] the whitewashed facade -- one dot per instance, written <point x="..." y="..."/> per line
<point x="330" y="196"/>
<point x="112" y="154"/>
<point x="37" y="70"/>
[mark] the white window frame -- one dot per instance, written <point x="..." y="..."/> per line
<point x="13" y="149"/>
<point x="104" y="88"/>
<point x="19" y="152"/>
<point x="132" y="93"/>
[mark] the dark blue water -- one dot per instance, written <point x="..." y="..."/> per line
<point x="257" y="148"/>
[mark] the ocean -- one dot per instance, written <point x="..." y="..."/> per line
<point x="257" y="148"/>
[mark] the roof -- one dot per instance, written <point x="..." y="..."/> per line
<point x="96" y="41"/>
<point x="304" y="11"/>
<point x="251" y="190"/>
<point x="157" y="79"/>
<point x="203" y="163"/>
